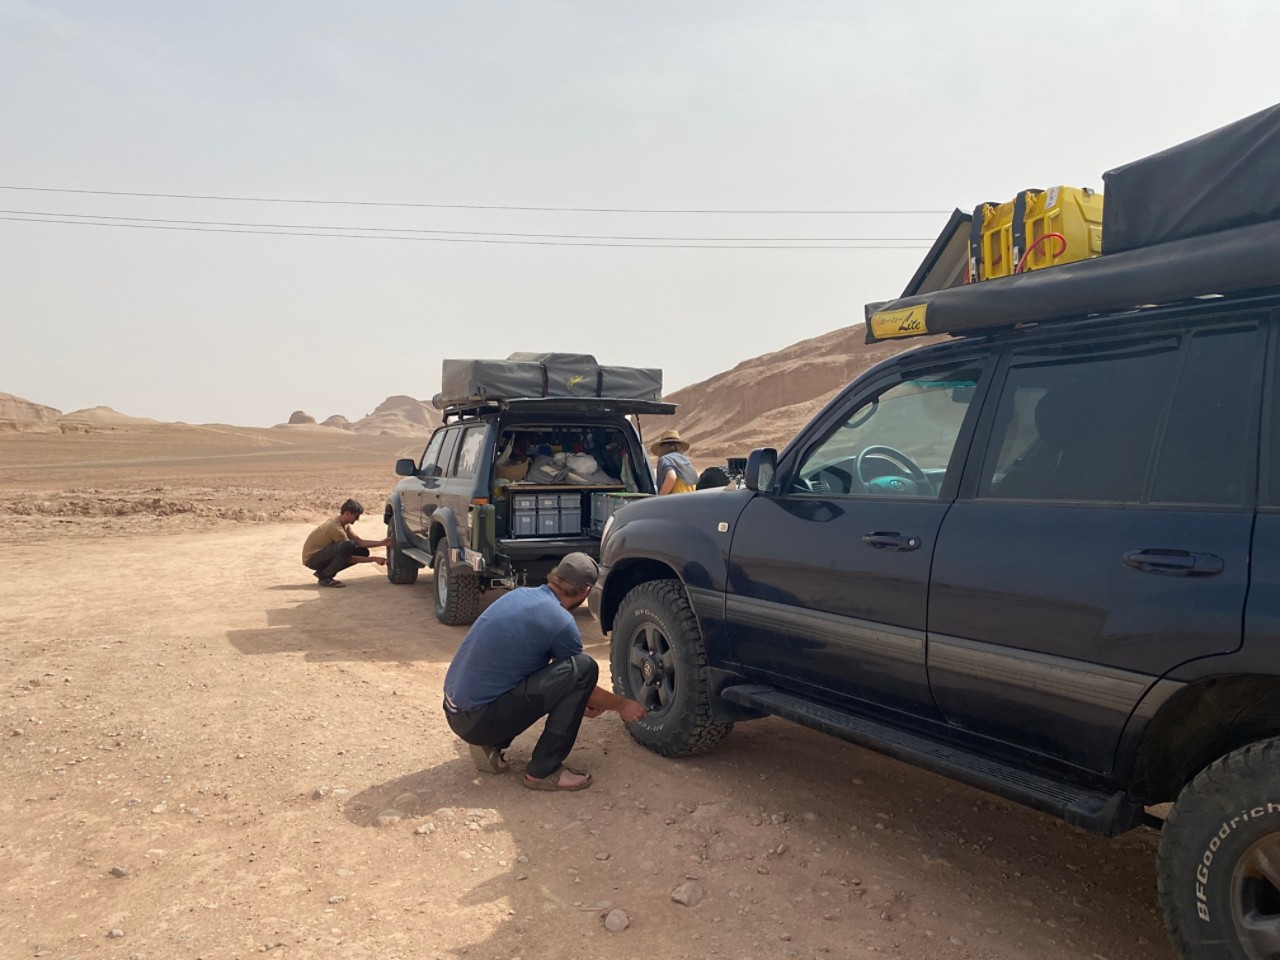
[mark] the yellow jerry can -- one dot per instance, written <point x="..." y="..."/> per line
<point x="1037" y="229"/>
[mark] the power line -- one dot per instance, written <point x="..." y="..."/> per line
<point x="465" y="233"/>
<point x="464" y="206"/>
<point x="534" y="243"/>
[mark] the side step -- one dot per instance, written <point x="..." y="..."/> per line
<point x="1108" y="814"/>
<point x="421" y="556"/>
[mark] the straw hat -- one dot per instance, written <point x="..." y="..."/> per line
<point x="668" y="436"/>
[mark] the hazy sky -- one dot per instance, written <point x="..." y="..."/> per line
<point x="686" y="105"/>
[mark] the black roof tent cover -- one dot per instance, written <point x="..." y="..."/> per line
<point x="947" y="261"/>
<point x="539" y="375"/>
<point x="1229" y="177"/>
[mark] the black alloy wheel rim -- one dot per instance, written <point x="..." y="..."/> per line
<point x="651" y="666"/>
<point x="1255" y="899"/>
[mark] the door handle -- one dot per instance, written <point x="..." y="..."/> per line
<point x="1174" y="563"/>
<point x="891" y="541"/>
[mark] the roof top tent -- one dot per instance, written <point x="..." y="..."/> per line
<point x="1198" y="219"/>
<point x="469" y="383"/>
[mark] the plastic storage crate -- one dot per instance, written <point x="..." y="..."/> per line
<point x="605" y="505"/>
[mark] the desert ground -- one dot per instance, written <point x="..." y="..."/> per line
<point x="206" y="756"/>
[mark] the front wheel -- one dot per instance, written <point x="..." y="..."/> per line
<point x="400" y="569"/>
<point x="1219" y="871"/>
<point x="457" y="590"/>
<point x="657" y="658"/>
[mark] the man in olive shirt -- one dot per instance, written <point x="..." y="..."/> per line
<point x="333" y="546"/>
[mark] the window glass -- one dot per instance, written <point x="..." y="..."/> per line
<point x="469" y="450"/>
<point x="1080" y="422"/>
<point x="431" y="456"/>
<point x="447" y="451"/>
<point x="898" y="443"/>
<point x="1210" y="444"/>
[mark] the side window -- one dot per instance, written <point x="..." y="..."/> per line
<point x="430" y="466"/>
<point x="898" y="443"/>
<point x="469" y="450"/>
<point x="447" y="451"/>
<point x="1080" y="422"/>
<point x="1210" y="444"/>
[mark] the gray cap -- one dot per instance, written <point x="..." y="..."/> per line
<point x="578" y="569"/>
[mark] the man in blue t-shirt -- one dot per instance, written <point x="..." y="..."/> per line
<point x="523" y="660"/>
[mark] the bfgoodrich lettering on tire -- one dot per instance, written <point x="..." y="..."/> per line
<point x="1220" y="859"/>
<point x="657" y="658"/>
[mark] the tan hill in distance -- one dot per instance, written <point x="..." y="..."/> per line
<point x="397" y="416"/>
<point x="763" y="402"/>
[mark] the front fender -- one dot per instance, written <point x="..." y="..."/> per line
<point x="392" y="514"/>
<point x="686" y="537"/>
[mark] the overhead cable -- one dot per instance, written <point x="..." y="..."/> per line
<point x="474" y="233"/>
<point x="433" y="239"/>
<point x="464" y="206"/>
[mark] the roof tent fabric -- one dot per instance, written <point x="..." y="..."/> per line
<point x="947" y="260"/>
<point x="538" y="375"/>
<point x="1231" y="261"/>
<point x="1229" y="177"/>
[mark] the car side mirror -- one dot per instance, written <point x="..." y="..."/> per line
<point x="762" y="465"/>
<point x="405" y="467"/>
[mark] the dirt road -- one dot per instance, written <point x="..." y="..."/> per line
<point x="266" y="765"/>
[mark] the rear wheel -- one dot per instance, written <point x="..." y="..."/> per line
<point x="1219" y="871"/>
<point x="657" y="658"/>
<point x="400" y="569"/>
<point x="457" y="590"/>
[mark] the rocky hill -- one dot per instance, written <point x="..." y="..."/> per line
<point x="764" y="401"/>
<point x="760" y="402"/>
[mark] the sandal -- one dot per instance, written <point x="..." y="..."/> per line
<point x="328" y="582"/>
<point x="551" y="781"/>
<point x="488" y="759"/>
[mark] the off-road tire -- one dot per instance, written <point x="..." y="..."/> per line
<point x="655" y="621"/>
<point x="400" y="569"/>
<point x="456" y="590"/>
<point x="1224" y="827"/>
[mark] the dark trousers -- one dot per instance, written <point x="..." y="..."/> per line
<point x="328" y="561"/>
<point x="558" y="692"/>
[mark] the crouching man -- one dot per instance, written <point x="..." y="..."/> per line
<point x="333" y="546"/>
<point x="522" y="660"/>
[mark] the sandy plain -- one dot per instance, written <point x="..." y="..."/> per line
<point x="205" y="756"/>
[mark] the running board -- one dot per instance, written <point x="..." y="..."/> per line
<point x="421" y="556"/>
<point x="1108" y="814"/>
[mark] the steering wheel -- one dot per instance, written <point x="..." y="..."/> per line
<point x="897" y="458"/>
<point x="816" y="483"/>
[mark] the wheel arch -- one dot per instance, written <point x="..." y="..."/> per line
<point x="443" y="524"/>
<point x="658" y="549"/>
<point x="1196" y="725"/>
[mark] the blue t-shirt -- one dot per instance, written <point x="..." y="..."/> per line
<point x="516" y="637"/>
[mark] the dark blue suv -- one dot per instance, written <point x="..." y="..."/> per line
<point x="1042" y="558"/>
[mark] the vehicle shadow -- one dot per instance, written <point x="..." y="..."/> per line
<point x="370" y="619"/>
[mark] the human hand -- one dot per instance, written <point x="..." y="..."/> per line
<point x="631" y="711"/>
<point x="592" y="711"/>
<point x="380" y="561"/>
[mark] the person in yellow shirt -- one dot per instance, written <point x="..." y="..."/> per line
<point x="675" y="473"/>
<point x="333" y="546"/>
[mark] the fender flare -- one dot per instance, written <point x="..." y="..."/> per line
<point x="655" y="548"/>
<point x="444" y="524"/>
<point x="392" y="514"/>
